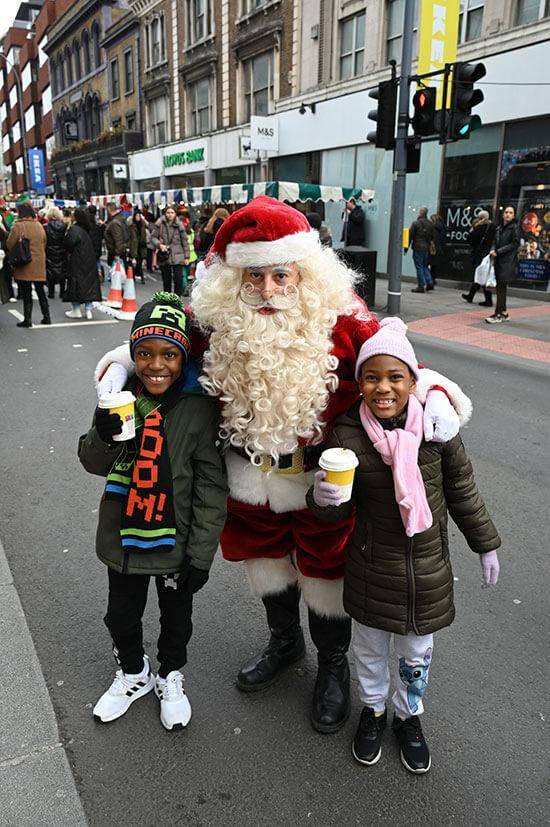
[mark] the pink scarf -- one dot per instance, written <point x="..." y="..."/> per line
<point x="399" y="448"/>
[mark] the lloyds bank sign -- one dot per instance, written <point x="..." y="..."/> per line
<point x="188" y="157"/>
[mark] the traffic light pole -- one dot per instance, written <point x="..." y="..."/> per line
<point x="395" y="254"/>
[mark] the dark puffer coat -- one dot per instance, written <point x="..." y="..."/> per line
<point x="506" y="245"/>
<point x="56" y="252"/>
<point x="83" y="285"/>
<point x="393" y="582"/>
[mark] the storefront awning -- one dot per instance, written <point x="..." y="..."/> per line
<point x="237" y="194"/>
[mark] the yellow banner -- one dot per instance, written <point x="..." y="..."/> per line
<point x="438" y="39"/>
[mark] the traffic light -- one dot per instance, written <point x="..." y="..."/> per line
<point x="423" y="120"/>
<point x="463" y="99"/>
<point x="386" y="95"/>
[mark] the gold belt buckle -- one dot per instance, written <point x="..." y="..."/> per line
<point x="269" y="464"/>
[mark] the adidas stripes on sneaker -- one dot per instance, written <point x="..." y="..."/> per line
<point x="124" y="690"/>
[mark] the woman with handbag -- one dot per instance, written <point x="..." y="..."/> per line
<point x="170" y="240"/>
<point x="480" y="238"/>
<point x="504" y="254"/>
<point x="26" y="245"/>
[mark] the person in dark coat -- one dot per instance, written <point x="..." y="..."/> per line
<point x="97" y="229"/>
<point x="117" y="235"/>
<point x="56" y="252"/>
<point x="137" y="226"/>
<point x="353" y="231"/>
<point x="437" y="250"/>
<point x="504" y="254"/>
<point x="208" y="232"/>
<point x="83" y="286"/>
<point x="421" y="239"/>
<point x="481" y="239"/>
<point x="398" y="578"/>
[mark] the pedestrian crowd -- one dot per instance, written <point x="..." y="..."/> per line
<point x="64" y="248"/>
<point x="282" y="422"/>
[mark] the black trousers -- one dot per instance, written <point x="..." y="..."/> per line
<point x="172" y="273"/>
<point x="127" y="601"/>
<point x="501" y="298"/>
<point x="25" y="293"/>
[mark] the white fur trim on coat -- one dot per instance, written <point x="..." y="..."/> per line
<point x="268" y="575"/>
<point x="263" y="253"/>
<point x="461" y="403"/>
<point x="119" y="354"/>
<point x="283" y="492"/>
<point x="325" y="597"/>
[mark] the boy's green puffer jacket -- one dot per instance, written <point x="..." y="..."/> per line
<point x="199" y="484"/>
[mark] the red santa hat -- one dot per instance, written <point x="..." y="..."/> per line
<point x="264" y="232"/>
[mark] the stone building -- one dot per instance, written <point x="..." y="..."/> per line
<point x="94" y="65"/>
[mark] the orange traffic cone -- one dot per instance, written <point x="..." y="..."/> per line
<point x="129" y="303"/>
<point x="114" y="299"/>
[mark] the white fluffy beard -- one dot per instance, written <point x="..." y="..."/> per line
<point x="273" y="373"/>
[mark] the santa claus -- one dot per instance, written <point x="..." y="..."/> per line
<point x="284" y="329"/>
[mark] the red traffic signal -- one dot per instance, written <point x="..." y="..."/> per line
<point x="423" y="119"/>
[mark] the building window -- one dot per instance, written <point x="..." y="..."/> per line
<point x="528" y="11"/>
<point x="16" y="132"/>
<point x="13" y="55"/>
<point x="131" y="122"/>
<point x="352" y="46"/>
<point x="61" y="73"/>
<point x="86" y="53"/>
<point x="394" y="29"/>
<point x="155" y="41"/>
<point x="128" y="72"/>
<point x="47" y="100"/>
<point x="77" y="62"/>
<point x="258" y="85"/>
<point x="42" y="56"/>
<point x="69" y="63"/>
<point x="96" y="47"/>
<point x="13" y="96"/>
<point x="115" y="80"/>
<point x="19" y="165"/>
<point x="199" y="20"/>
<point x="199" y="94"/>
<point x="30" y="118"/>
<point x="26" y="76"/>
<point x="53" y="76"/>
<point x="470" y="20"/>
<point x="248" y="6"/>
<point x="157" y="121"/>
<point x="116" y="123"/>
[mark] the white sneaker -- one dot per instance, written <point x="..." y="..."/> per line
<point x="175" y="709"/>
<point x="124" y="690"/>
<point x="74" y="314"/>
<point x="89" y="315"/>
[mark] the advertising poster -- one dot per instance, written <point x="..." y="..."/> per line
<point x="534" y="224"/>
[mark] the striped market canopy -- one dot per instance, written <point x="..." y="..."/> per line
<point x="237" y="194"/>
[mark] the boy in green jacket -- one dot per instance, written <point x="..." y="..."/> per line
<point x="162" y="511"/>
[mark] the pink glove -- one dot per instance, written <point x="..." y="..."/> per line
<point x="325" y="493"/>
<point x="490" y="568"/>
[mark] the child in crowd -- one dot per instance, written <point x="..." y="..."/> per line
<point x="162" y="511"/>
<point x="398" y="577"/>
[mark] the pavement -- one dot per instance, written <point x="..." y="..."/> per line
<point x="255" y="760"/>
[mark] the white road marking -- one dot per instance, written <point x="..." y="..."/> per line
<point x="17" y="315"/>
<point x="77" y="345"/>
<point x="75" y="324"/>
<point x="22" y="350"/>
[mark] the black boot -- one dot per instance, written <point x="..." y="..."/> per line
<point x="330" y="708"/>
<point x="286" y="644"/>
<point x="25" y="293"/>
<point x="44" y="306"/>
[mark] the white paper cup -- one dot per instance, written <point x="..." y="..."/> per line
<point x="121" y="403"/>
<point x="339" y="465"/>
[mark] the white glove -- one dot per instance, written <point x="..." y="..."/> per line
<point x="441" y="422"/>
<point x="325" y="493"/>
<point x="113" y="380"/>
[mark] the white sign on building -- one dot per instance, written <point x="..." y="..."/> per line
<point x="264" y="133"/>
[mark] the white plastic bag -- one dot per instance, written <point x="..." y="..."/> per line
<point x="492" y="279"/>
<point x="484" y="272"/>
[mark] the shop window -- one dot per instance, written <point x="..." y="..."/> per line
<point x="157" y="121"/>
<point x="115" y="79"/>
<point x="529" y="11"/>
<point x="128" y="72"/>
<point x="352" y="46"/>
<point x="394" y="29"/>
<point x="470" y="21"/>
<point x="258" y="85"/>
<point x="200" y="106"/>
<point x="199" y="20"/>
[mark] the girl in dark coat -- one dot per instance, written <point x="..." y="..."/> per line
<point x="504" y="254"/>
<point x="481" y="239"/>
<point x="208" y="232"/>
<point x="398" y="578"/>
<point x="83" y="286"/>
<point x="56" y="252"/>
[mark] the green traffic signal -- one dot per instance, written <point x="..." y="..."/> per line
<point x="463" y="98"/>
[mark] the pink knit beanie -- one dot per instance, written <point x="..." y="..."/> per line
<point x="390" y="340"/>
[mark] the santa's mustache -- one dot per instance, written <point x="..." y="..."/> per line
<point x="286" y="299"/>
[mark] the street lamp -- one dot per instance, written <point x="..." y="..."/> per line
<point x="17" y="77"/>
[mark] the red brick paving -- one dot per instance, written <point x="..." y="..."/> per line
<point x="459" y="327"/>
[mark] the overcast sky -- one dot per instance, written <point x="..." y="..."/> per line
<point x="8" y="9"/>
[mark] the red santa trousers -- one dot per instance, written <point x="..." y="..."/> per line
<point x="254" y="531"/>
